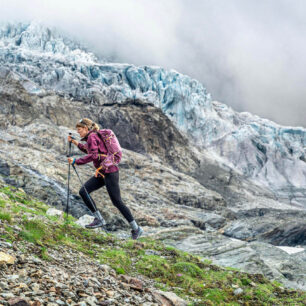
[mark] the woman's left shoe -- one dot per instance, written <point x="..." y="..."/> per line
<point x="136" y="234"/>
<point x="96" y="223"/>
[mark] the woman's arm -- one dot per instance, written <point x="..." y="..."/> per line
<point x="93" y="152"/>
<point x="81" y="147"/>
<point x="76" y="143"/>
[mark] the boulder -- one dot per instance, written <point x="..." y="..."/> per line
<point x="54" y="212"/>
<point x="6" y="259"/>
<point x="84" y="220"/>
<point x="168" y="298"/>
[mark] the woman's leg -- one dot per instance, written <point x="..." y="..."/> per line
<point x="91" y="185"/>
<point x="112" y="186"/>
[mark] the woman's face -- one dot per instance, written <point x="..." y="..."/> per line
<point x="82" y="131"/>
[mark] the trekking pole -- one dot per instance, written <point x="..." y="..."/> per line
<point x="88" y="196"/>
<point x="67" y="205"/>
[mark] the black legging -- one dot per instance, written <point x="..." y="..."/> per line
<point x="111" y="181"/>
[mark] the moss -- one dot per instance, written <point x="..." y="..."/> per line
<point x="215" y="295"/>
<point x="207" y="261"/>
<point x="188" y="268"/>
<point x="117" y="259"/>
<point x="153" y="266"/>
<point x="245" y="281"/>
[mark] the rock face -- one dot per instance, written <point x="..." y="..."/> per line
<point x="249" y="256"/>
<point x="259" y="149"/>
<point x="199" y="200"/>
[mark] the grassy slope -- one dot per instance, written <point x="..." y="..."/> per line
<point x="189" y="276"/>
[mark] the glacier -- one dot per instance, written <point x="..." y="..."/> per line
<point x="261" y="150"/>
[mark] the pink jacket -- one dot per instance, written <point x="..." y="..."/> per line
<point x="95" y="148"/>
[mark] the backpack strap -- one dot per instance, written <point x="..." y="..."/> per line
<point x="98" y="172"/>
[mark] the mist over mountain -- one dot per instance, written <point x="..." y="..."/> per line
<point x="249" y="55"/>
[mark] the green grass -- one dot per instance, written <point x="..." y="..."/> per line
<point x="2" y="203"/>
<point x="5" y="216"/>
<point x="173" y="270"/>
<point x="44" y="253"/>
<point x="117" y="259"/>
<point x="34" y="231"/>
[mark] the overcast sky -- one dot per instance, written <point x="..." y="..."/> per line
<point x="249" y="54"/>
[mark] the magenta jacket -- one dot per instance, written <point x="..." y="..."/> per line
<point x="94" y="147"/>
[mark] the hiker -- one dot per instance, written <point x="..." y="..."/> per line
<point x="105" y="175"/>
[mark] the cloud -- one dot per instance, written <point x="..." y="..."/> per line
<point x="248" y="54"/>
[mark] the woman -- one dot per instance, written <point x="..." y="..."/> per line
<point x="95" y="148"/>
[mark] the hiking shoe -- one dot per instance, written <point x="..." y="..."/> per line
<point x="95" y="223"/>
<point x="136" y="234"/>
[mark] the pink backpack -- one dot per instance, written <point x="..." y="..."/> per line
<point x="113" y="147"/>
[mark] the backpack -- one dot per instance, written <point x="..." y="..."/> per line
<point x="114" y="151"/>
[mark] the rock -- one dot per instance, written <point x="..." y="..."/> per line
<point x="152" y="252"/>
<point x="168" y="298"/>
<point x="7" y="295"/>
<point x="84" y="220"/>
<point x="288" y="234"/>
<point x="12" y="278"/>
<point x="106" y="302"/>
<point x="35" y="287"/>
<point x="3" y="285"/>
<point x="35" y="260"/>
<point x="18" y="302"/>
<point x="7" y="259"/>
<point x="54" y="212"/>
<point x="202" y="219"/>
<point x="5" y="244"/>
<point x="133" y="282"/>
<point x="238" y="291"/>
<point x="91" y="300"/>
<point x="110" y="293"/>
<point x="105" y="268"/>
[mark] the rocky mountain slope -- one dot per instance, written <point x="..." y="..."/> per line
<point x="174" y="206"/>
<point x="259" y="149"/>
<point x="46" y="259"/>
<point x="191" y="198"/>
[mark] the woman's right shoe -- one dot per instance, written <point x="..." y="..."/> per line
<point x="95" y="223"/>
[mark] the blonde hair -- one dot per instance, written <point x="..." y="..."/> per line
<point x="85" y="122"/>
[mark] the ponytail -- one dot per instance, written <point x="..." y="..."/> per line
<point x="95" y="127"/>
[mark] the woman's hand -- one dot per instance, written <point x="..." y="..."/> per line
<point x="71" y="161"/>
<point x="72" y="140"/>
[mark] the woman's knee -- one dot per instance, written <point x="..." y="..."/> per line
<point x="82" y="192"/>
<point x="117" y="202"/>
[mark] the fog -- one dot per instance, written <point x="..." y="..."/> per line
<point x="248" y="54"/>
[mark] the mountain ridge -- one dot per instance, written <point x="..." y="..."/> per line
<point x="267" y="153"/>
